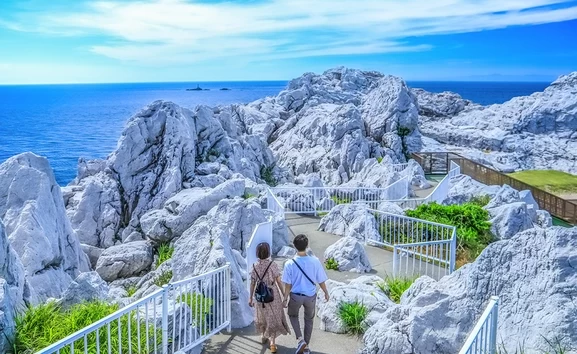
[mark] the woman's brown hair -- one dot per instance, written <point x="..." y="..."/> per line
<point x="263" y="250"/>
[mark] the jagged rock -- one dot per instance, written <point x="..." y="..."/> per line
<point x="533" y="267"/>
<point x="363" y="290"/>
<point x="12" y="284"/>
<point x="441" y="105"/>
<point x="312" y="180"/>
<point x="93" y="253"/>
<point x="156" y="158"/>
<point x="125" y="260"/>
<point x="505" y="195"/>
<point x="463" y="188"/>
<point x="32" y="209"/>
<point x="530" y="132"/>
<point x="351" y="220"/>
<point x="287" y="252"/>
<point x="390" y="208"/>
<point x="87" y="286"/>
<point x="350" y="255"/>
<point x="510" y="219"/>
<point x="374" y="175"/>
<point x="296" y="199"/>
<point x="180" y="211"/>
<point x="416" y="175"/>
<point x="543" y="219"/>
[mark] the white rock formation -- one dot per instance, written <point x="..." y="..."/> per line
<point x="531" y="132"/>
<point x="351" y="220"/>
<point x="180" y="211"/>
<point x="125" y="260"/>
<point x="350" y="255"/>
<point x="87" y="286"/>
<point x="534" y="275"/>
<point x="363" y="290"/>
<point x="32" y="209"/>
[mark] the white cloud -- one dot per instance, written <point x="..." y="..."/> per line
<point x="179" y="31"/>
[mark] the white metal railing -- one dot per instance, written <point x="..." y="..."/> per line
<point x="313" y="200"/>
<point x="272" y="203"/>
<point x="419" y="247"/>
<point x="262" y="233"/>
<point x="483" y="338"/>
<point x="438" y="195"/>
<point x="180" y="316"/>
<point x="401" y="168"/>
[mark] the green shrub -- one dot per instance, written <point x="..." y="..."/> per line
<point x="353" y="316"/>
<point x="247" y="195"/>
<point x="165" y="252"/>
<point x="200" y="306"/>
<point x="131" y="290"/>
<point x="397" y="286"/>
<point x="481" y="200"/>
<point x="163" y="278"/>
<point x="379" y="159"/>
<point x="266" y="173"/>
<point x="331" y="263"/>
<point x="341" y="200"/>
<point x="471" y="220"/>
<point x="40" y="326"/>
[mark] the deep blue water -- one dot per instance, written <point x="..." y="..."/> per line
<point x="65" y="122"/>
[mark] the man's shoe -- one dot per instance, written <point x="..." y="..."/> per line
<point x="301" y="347"/>
<point x="307" y="351"/>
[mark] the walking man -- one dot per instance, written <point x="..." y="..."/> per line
<point x="301" y="276"/>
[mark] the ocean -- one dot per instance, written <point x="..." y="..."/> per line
<point x="65" y="122"/>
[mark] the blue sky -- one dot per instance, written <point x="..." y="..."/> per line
<point x="78" y="41"/>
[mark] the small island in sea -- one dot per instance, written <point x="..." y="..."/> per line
<point x="197" y="88"/>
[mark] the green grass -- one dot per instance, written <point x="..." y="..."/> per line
<point x="200" y="306"/>
<point x="397" y="286"/>
<point x="40" y="326"/>
<point x="481" y="200"/>
<point x="379" y="159"/>
<point x="247" y="195"/>
<point x="165" y="252"/>
<point x="266" y="173"/>
<point x="555" y="345"/>
<point x="556" y="182"/>
<point x="163" y="278"/>
<point x="131" y="290"/>
<point x="341" y="200"/>
<point x="471" y="220"/>
<point x="331" y="263"/>
<point x="353" y="316"/>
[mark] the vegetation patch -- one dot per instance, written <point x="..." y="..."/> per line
<point x="266" y="173"/>
<point x="555" y="182"/>
<point x="379" y="159"/>
<point x="341" y="200"/>
<point x="331" y="263"/>
<point x="397" y="286"/>
<point x="481" y="201"/>
<point x="200" y="306"/>
<point x="247" y="195"/>
<point x="131" y="290"/>
<point x="471" y="220"/>
<point x="40" y="326"/>
<point x="353" y="316"/>
<point x="556" y="345"/>
<point x="163" y="278"/>
<point x="165" y="252"/>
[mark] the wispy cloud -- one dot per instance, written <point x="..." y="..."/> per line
<point x="178" y="31"/>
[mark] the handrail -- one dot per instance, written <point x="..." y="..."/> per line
<point x="492" y="311"/>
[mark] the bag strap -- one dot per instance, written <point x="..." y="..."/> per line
<point x="263" y="274"/>
<point x="312" y="282"/>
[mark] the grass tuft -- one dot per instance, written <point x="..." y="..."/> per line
<point x="331" y="263"/>
<point x="266" y="173"/>
<point x="379" y="159"/>
<point x="40" y="326"/>
<point x="397" y="286"/>
<point x="165" y="252"/>
<point x="163" y="278"/>
<point x="131" y="290"/>
<point x="200" y="306"/>
<point x="353" y="316"/>
<point x="553" y="181"/>
<point x="247" y="195"/>
<point x="341" y="200"/>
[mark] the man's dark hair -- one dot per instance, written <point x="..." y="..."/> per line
<point x="301" y="242"/>
<point x="263" y="250"/>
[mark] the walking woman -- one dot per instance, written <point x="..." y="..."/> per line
<point x="270" y="318"/>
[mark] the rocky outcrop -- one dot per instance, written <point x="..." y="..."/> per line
<point x="87" y="286"/>
<point x="157" y="157"/>
<point x="125" y="260"/>
<point x="533" y="267"/>
<point x="434" y="106"/>
<point x="530" y="132"/>
<point x="32" y="210"/>
<point x="364" y="290"/>
<point x="350" y="255"/>
<point x="351" y="220"/>
<point x="180" y="212"/>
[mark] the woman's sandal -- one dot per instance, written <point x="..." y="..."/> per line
<point x="273" y="348"/>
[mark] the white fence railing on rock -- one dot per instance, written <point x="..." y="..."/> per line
<point x="180" y="316"/>
<point x="262" y="233"/>
<point x="438" y="195"/>
<point x="419" y="247"/>
<point x="272" y="203"/>
<point x="483" y="338"/>
<point x="401" y="168"/>
<point x="313" y="200"/>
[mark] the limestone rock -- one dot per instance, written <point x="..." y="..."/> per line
<point x="433" y="106"/>
<point x="351" y="220"/>
<point x="533" y="267"/>
<point x="463" y="189"/>
<point x="390" y="208"/>
<point x="87" y="286"/>
<point x="350" y="255"/>
<point x="180" y="211"/>
<point x="32" y="209"/>
<point x="363" y="290"/>
<point x="125" y="260"/>
<point x="510" y="219"/>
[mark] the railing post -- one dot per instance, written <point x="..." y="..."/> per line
<point x="494" y="318"/>
<point x="165" y="290"/>
<point x="228" y="296"/>
<point x="452" y="266"/>
<point x="395" y="265"/>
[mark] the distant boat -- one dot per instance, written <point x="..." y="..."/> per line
<point x="195" y="89"/>
<point x="225" y="89"/>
